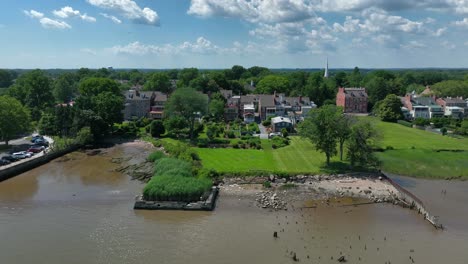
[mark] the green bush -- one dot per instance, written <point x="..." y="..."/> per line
<point x="207" y="174"/>
<point x="155" y="156"/>
<point x="405" y="123"/>
<point x="169" y="188"/>
<point x="266" y="123"/>
<point x="421" y="121"/>
<point x="279" y="142"/>
<point x="267" y="184"/>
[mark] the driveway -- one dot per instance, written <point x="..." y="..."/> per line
<point x="24" y="143"/>
<point x="263" y="131"/>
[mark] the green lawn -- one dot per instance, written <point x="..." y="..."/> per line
<point x="401" y="137"/>
<point x="299" y="156"/>
<point x="413" y="155"/>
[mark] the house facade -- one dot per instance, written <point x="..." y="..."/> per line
<point x="422" y="106"/>
<point x="144" y="104"/>
<point x="454" y="107"/>
<point x="278" y="123"/>
<point x="353" y="100"/>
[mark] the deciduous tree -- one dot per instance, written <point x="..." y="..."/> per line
<point x="14" y="118"/>
<point x="189" y="104"/>
<point x="321" y="127"/>
<point x="360" y="145"/>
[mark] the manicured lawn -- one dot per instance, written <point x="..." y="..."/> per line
<point x="299" y="156"/>
<point x="413" y="155"/>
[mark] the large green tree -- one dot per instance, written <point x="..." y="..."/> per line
<point x="360" y="145"/>
<point x="321" y="127"/>
<point x="187" y="103"/>
<point x="158" y="81"/>
<point x="273" y="83"/>
<point x="102" y="100"/>
<point x="64" y="87"/>
<point x="34" y="90"/>
<point x="14" y="118"/>
<point x="389" y="109"/>
<point x="216" y="109"/>
<point x="344" y="124"/>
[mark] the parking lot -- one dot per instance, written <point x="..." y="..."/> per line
<point x="21" y="144"/>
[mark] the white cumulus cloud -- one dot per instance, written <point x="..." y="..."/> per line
<point x="69" y="12"/>
<point x="461" y="23"/>
<point x="130" y="10"/>
<point x="33" y="14"/>
<point x="47" y="22"/>
<point x="113" y="18"/>
<point x="51" y="23"/>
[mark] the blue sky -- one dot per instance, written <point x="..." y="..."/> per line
<point x="221" y="33"/>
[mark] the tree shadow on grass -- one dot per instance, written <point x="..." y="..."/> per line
<point x="342" y="167"/>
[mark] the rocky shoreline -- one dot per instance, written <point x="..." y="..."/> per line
<point x="368" y="188"/>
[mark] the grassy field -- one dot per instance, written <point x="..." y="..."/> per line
<point x="299" y="156"/>
<point x="414" y="154"/>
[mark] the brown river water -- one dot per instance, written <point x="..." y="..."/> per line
<point x="80" y="211"/>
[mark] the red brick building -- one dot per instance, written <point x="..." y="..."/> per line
<point x="353" y="100"/>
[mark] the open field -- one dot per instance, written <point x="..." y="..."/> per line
<point x="414" y="154"/>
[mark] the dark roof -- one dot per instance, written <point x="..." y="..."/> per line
<point x="355" y="92"/>
<point x="160" y="97"/>
<point x="248" y="99"/>
<point x="226" y="93"/>
<point x="454" y="100"/>
<point x="424" y="100"/>
<point x="297" y="100"/>
<point x="266" y="100"/>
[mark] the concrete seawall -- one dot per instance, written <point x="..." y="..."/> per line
<point x="208" y="205"/>
<point x="414" y="203"/>
<point x="12" y="171"/>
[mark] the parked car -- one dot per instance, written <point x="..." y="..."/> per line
<point x="10" y="158"/>
<point x="36" y="137"/>
<point x="41" y="142"/>
<point x="4" y="162"/>
<point x="36" y="149"/>
<point x="22" y="155"/>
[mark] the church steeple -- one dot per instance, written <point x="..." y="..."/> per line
<point x="326" y="70"/>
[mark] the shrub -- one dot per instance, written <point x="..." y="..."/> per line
<point x="267" y="184"/>
<point x="169" y="188"/>
<point x="155" y="156"/>
<point x="421" y="121"/>
<point x="235" y="145"/>
<point x="280" y="142"/>
<point x="389" y="148"/>
<point x="157" y="128"/>
<point x="284" y="132"/>
<point x="404" y="123"/>
<point x="266" y="123"/>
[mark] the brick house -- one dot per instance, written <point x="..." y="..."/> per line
<point x="158" y="104"/>
<point x="353" y="100"/>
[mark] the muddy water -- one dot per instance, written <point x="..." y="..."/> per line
<point x="79" y="211"/>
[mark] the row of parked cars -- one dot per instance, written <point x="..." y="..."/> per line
<point x="39" y="145"/>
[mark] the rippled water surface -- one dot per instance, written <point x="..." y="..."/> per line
<point x="77" y="210"/>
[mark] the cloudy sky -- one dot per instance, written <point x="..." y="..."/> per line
<point x="221" y="33"/>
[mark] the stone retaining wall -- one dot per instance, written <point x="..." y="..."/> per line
<point x="10" y="172"/>
<point x="207" y="205"/>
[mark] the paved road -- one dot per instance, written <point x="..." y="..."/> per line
<point x="263" y="131"/>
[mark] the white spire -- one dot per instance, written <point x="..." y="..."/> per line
<point x="326" y="70"/>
